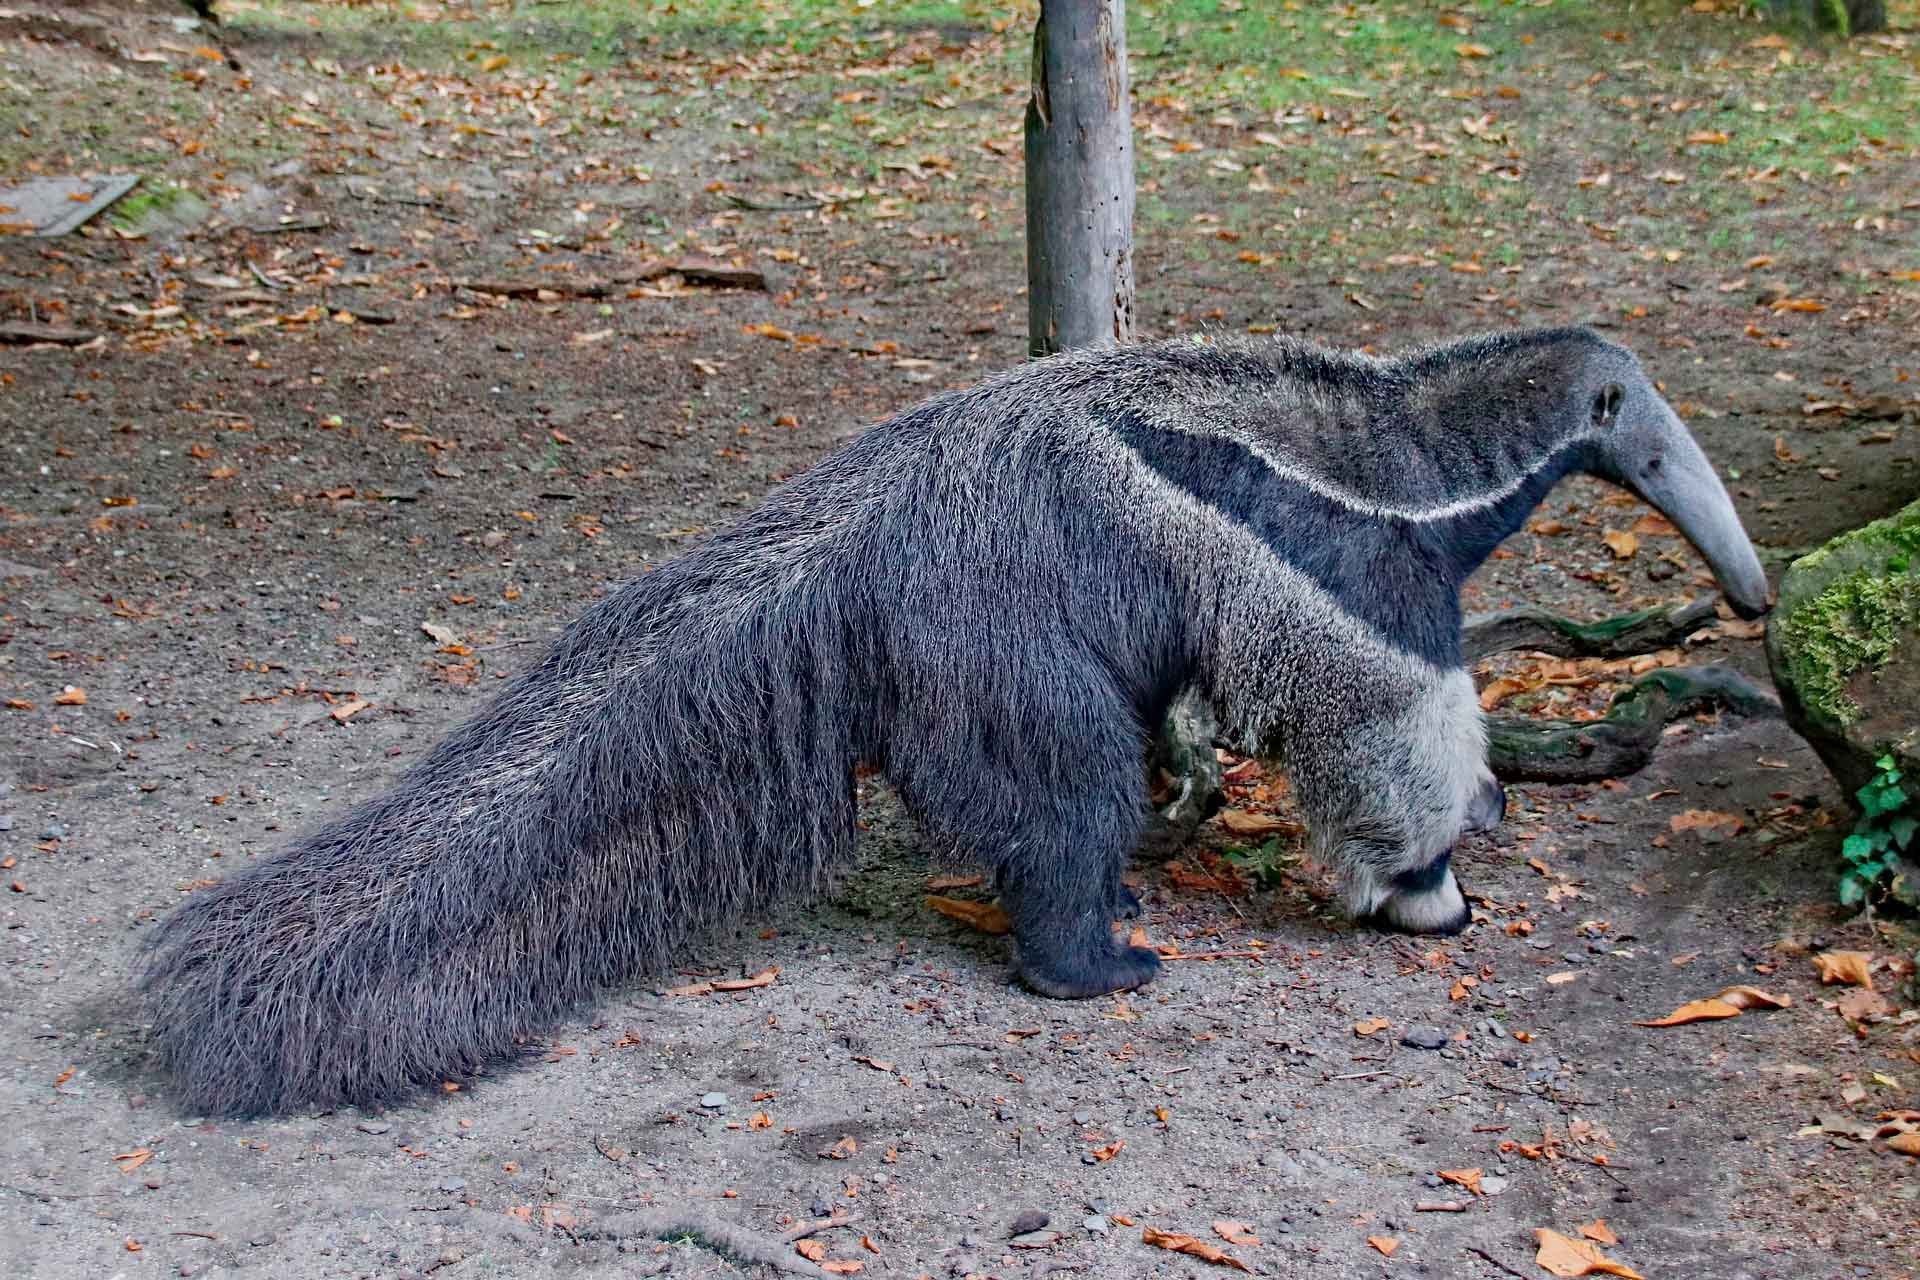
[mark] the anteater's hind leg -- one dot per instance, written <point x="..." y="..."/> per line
<point x="1050" y="795"/>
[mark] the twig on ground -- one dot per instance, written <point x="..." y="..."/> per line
<point x="1496" y="1262"/>
<point x="667" y="1224"/>
<point x="1441" y="1206"/>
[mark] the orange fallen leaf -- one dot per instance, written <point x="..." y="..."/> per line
<point x="1234" y="1232"/>
<point x="1371" y="1026"/>
<point x="1385" y="1244"/>
<point x="1907" y="1144"/>
<point x="1468" y="1178"/>
<point x="811" y="1250"/>
<point x="71" y="696"/>
<point x="1176" y="1243"/>
<point x="1706" y="820"/>
<point x="764" y="978"/>
<point x="987" y="917"/>
<point x="1599" y="1232"/>
<point x="1498" y="691"/>
<point x="348" y="710"/>
<point x="1621" y="542"/>
<point x="840" y="1150"/>
<point x="131" y="1160"/>
<point x="1108" y="1152"/>
<point x="759" y="1120"/>
<point x="843" y="1268"/>
<point x="1754" y="998"/>
<point x="1572" y="1258"/>
<point x="866" y="1242"/>
<point x="1853" y="968"/>
<point x="1694" y="1011"/>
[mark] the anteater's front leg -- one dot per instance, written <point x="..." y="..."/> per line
<point x="1388" y="798"/>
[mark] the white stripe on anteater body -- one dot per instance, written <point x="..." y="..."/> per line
<point x="994" y="596"/>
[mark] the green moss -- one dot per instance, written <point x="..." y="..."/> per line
<point x="1856" y="620"/>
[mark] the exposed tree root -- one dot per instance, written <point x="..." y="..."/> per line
<point x="1621" y="637"/>
<point x="1524" y="750"/>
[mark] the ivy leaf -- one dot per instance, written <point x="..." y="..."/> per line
<point x="1903" y="829"/>
<point x="1857" y="847"/>
<point x="1853" y="890"/>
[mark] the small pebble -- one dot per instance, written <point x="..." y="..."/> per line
<point x="453" y="1184"/>
<point x="373" y="1126"/>
<point x="1096" y="1223"/>
<point x="714" y="1101"/>
<point x="1493" y="1184"/>
<point x="54" y="831"/>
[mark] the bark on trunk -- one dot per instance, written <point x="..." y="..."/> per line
<point x="1079" y="143"/>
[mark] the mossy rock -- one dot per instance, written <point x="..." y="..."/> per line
<point x="1844" y="645"/>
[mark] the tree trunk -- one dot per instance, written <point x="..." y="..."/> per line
<point x="1079" y="143"/>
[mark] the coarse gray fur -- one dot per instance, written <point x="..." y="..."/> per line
<point x="994" y="597"/>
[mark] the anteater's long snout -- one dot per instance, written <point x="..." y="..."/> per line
<point x="1661" y="462"/>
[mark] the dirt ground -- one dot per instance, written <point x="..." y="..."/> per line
<point x="305" y="501"/>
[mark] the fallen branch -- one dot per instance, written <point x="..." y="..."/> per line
<point x="791" y="206"/>
<point x="708" y="271"/>
<point x="60" y="335"/>
<point x="1621" y="742"/>
<point x="725" y="1237"/>
<point x="1441" y="1206"/>
<point x="1622" y="637"/>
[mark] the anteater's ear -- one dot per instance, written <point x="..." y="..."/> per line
<point x="1606" y="404"/>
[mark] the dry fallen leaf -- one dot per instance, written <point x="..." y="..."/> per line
<point x="1754" y="998"/>
<point x="843" y="1267"/>
<point x="1572" y="1258"/>
<point x="1385" y="1244"/>
<point x="1108" y="1152"/>
<point x="1498" y="691"/>
<point x="1853" y="968"/>
<point x="1621" y="542"/>
<point x="1907" y="1144"/>
<point x="1728" y="1004"/>
<point x="1599" y="1232"/>
<point x="1253" y="825"/>
<point x="840" y="1150"/>
<point x="811" y="1250"/>
<point x="1371" y="1026"/>
<point x="987" y="917"/>
<point x="71" y="696"/>
<point x="1175" y="1243"/>
<point x="1239" y="1232"/>
<point x="1706" y="820"/>
<point x="1468" y="1178"/>
<point x="764" y="978"/>
<point x="131" y="1160"/>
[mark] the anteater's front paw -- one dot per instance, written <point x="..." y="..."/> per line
<point x="1126" y="903"/>
<point x="1097" y="974"/>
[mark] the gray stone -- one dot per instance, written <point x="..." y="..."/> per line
<point x="373" y="1126"/>
<point x="1493" y="1184"/>
<point x="1027" y="1223"/>
<point x="1097" y="1223"/>
<point x="453" y="1184"/>
<point x="714" y="1101"/>
<point x="1423" y="1037"/>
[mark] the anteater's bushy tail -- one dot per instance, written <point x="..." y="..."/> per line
<point x="680" y="756"/>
